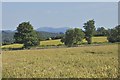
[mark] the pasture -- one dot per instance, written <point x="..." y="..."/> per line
<point x="79" y="62"/>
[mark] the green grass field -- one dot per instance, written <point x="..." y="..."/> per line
<point x="79" y="62"/>
<point x="56" y="42"/>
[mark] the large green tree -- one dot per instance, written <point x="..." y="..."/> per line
<point x="26" y="35"/>
<point x="73" y="36"/>
<point x="89" y="27"/>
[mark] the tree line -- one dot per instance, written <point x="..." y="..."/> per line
<point x="8" y="36"/>
<point x="29" y="37"/>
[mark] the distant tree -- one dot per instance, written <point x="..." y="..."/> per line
<point x="7" y="37"/>
<point x="6" y="41"/>
<point x="26" y="35"/>
<point x="60" y="36"/>
<point x="101" y="31"/>
<point x="61" y="33"/>
<point x="72" y="37"/>
<point x="89" y="30"/>
<point x="40" y="37"/>
<point x="114" y="34"/>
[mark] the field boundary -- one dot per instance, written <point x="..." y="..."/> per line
<point x="57" y="47"/>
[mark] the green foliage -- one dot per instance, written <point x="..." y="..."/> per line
<point x="40" y="37"/>
<point x="78" y="35"/>
<point x="26" y="35"/>
<point x="47" y="35"/>
<point x="69" y="37"/>
<point x="73" y="36"/>
<point x="114" y="34"/>
<point x="63" y="39"/>
<point x="89" y="30"/>
<point x="7" y="37"/>
<point x="60" y="36"/>
<point x="101" y="31"/>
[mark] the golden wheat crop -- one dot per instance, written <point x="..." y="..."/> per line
<point x="79" y="62"/>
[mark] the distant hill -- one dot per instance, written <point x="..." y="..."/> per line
<point x="7" y="35"/>
<point x="46" y="35"/>
<point x="53" y="30"/>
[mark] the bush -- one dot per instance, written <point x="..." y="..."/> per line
<point x="72" y="37"/>
<point x="114" y="34"/>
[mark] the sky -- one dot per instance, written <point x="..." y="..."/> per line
<point x="119" y="13"/>
<point x="60" y="0"/>
<point x="0" y="16"/>
<point x="59" y="14"/>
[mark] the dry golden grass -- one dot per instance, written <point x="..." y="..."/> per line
<point x="0" y="65"/>
<point x="80" y="62"/>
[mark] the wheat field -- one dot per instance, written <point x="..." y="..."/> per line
<point x="76" y="62"/>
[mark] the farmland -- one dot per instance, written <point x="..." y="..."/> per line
<point x="57" y="42"/>
<point x="80" y="62"/>
<point x="51" y="42"/>
<point x="94" y="61"/>
<point x="0" y="66"/>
